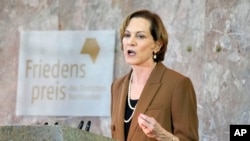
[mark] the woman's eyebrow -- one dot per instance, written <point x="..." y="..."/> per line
<point x="141" y="31"/>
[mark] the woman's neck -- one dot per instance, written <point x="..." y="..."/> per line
<point x="142" y="73"/>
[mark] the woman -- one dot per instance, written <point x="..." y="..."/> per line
<point x="151" y="102"/>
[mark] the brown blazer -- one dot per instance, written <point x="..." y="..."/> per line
<point x="168" y="96"/>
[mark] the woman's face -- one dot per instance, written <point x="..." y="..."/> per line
<point x="138" y="43"/>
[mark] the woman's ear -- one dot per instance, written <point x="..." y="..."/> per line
<point x="158" y="46"/>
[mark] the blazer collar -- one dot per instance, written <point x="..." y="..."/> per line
<point x="149" y="91"/>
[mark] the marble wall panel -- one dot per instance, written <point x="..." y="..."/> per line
<point x="225" y="92"/>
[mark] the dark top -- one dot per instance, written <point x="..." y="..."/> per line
<point x="128" y="113"/>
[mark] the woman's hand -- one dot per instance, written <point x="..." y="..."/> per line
<point x="149" y="126"/>
<point x="153" y="129"/>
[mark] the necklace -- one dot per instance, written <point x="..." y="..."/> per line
<point x="129" y="104"/>
<point x="129" y="96"/>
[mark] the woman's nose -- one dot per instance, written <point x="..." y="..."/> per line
<point x="132" y="41"/>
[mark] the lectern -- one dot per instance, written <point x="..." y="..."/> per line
<point x="47" y="133"/>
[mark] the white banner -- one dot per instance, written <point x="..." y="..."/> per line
<point x="65" y="73"/>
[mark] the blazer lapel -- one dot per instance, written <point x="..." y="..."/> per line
<point x="148" y="94"/>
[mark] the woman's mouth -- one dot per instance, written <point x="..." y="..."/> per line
<point x="131" y="52"/>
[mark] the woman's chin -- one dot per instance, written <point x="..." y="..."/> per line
<point x="130" y="61"/>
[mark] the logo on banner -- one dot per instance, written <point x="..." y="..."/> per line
<point x="91" y="47"/>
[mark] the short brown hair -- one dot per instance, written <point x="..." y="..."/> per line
<point x="157" y="30"/>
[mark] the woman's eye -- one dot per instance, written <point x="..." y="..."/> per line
<point x="126" y="35"/>
<point x="140" y="36"/>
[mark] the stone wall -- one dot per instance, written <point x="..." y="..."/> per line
<point x="209" y="41"/>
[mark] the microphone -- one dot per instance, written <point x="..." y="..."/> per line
<point x="80" y="125"/>
<point x="88" y="126"/>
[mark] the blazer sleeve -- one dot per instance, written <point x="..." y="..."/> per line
<point x="184" y="111"/>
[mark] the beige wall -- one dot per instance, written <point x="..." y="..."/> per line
<point x="209" y="42"/>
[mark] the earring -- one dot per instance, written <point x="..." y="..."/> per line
<point x="154" y="56"/>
